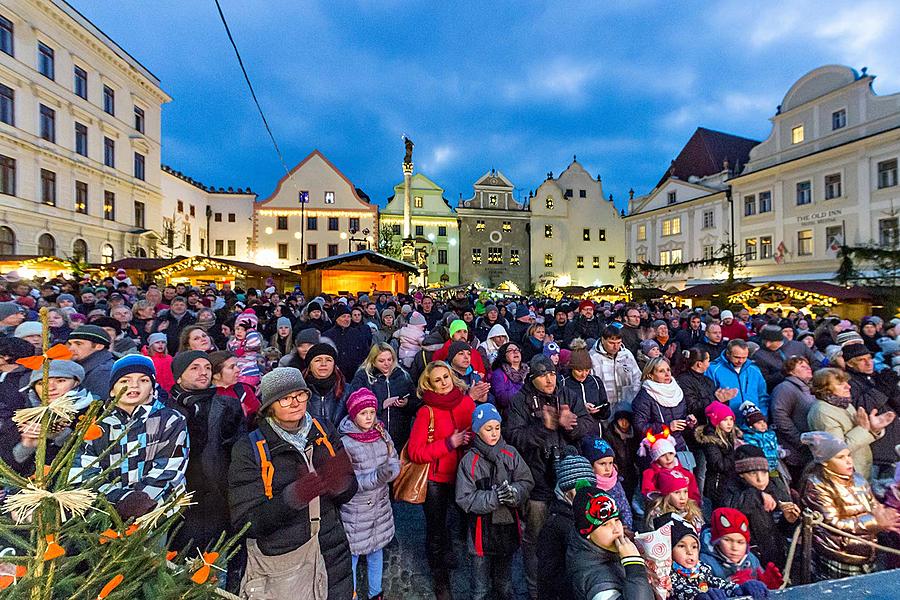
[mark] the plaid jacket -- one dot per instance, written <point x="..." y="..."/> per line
<point x="151" y="455"/>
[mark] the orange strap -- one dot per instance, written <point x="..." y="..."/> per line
<point x="324" y="438"/>
<point x="267" y="468"/>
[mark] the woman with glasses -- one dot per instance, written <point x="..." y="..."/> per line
<point x="288" y="480"/>
<point x="509" y="373"/>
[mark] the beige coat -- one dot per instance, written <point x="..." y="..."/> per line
<point x="841" y="423"/>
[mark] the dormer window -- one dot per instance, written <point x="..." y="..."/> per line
<point x="671" y="197"/>
<point x="797" y="134"/>
<point x="549" y="202"/>
<point x="492" y="199"/>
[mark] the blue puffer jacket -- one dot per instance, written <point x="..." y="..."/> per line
<point x="749" y="382"/>
<point x="720" y="565"/>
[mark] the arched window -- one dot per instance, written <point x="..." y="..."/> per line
<point x="140" y="252"/>
<point x="46" y="245"/>
<point x="7" y="241"/>
<point x="80" y="250"/>
<point x="107" y="254"/>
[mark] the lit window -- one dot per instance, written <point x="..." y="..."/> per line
<point x="495" y="256"/>
<point x="839" y="119"/>
<point x="664" y="257"/>
<point x="797" y="134"/>
<point x="602" y="235"/>
<point x="586" y="235"/>
<point x="548" y="260"/>
<point x="329" y="197"/>
<point x="476" y="256"/>
<point x="417" y="201"/>
<point x="579" y="262"/>
<point x="676" y="255"/>
<point x="832" y="186"/>
<point x="804" y="193"/>
<point x="109" y="206"/>
<point x="479" y="225"/>
<point x="107" y="254"/>
<point x="671" y="226"/>
<point x="642" y="232"/>
<point x="805" y="242"/>
<point x="750" y="249"/>
<point x="492" y="199"/>
<point x="887" y="173"/>
<point x="765" y="247"/>
<point x="765" y="202"/>
<point x="611" y="262"/>
<point x="549" y="202"/>
<point x="641" y="256"/>
<point x="595" y="262"/>
<point x="548" y="231"/>
<point x="514" y="257"/>
<point x="81" y="197"/>
<point x="507" y="226"/>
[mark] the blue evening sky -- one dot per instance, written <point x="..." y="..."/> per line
<point x="518" y="86"/>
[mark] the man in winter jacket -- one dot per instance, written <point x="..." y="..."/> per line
<point x="543" y="420"/>
<point x="774" y="350"/>
<point x="352" y="343"/>
<point x="631" y="330"/>
<point x="693" y="335"/>
<point x="585" y="325"/>
<point x="491" y="317"/>
<point x="617" y="368"/>
<point x="874" y="391"/>
<point x="89" y="346"/>
<point x="173" y="321"/>
<point x="733" y="370"/>
<point x="520" y="325"/>
<point x="712" y="341"/>
<point x="561" y="327"/>
<point x="459" y="332"/>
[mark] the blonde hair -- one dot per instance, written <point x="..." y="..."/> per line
<point x="425" y="378"/>
<point x="661" y="505"/>
<point x="652" y="365"/>
<point x="824" y="379"/>
<point x="368" y="365"/>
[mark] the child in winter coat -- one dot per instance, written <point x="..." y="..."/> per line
<point x="600" y="561"/>
<point x="246" y="344"/>
<point x="158" y="350"/>
<point x="572" y="471"/>
<point x="694" y="579"/>
<point x="411" y="336"/>
<point x="756" y="432"/>
<point x="725" y="547"/>
<point x="492" y="484"/>
<point x="662" y="453"/>
<point x="673" y="498"/>
<point x="602" y="458"/>
<point x="367" y="517"/>
<point x="718" y="439"/>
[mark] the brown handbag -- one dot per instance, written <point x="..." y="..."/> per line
<point x="411" y="484"/>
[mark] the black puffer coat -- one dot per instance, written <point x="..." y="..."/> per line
<point x="879" y="392"/>
<point x="278" y="528"/>
<point x="769" y="535"/>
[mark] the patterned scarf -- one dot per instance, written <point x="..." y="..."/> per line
<point x="837" y="401"/>
<point x="517" y="376"/>
<point x="691" y="573"/>
<point x="299" y="438"/>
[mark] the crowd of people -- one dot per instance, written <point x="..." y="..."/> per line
<point x="564" y="430"/>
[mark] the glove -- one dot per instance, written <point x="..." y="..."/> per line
<point x="712" y="594"/>
<point x="772" y="576"/>
<point x="504" y="493"/>
<point x="384" y="473"/>
<point x="300" y="493"/>
<point x="755" y="589"/>
<point x="742" y="576"/>
<point x="135" y="504"/>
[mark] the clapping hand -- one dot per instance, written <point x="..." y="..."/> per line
<point x="888" y="518"/>
<point x="479" y="391"/>
<point x="726" y="394"/>
<point x="459" y="438"/>
<point x="567" y="418"/>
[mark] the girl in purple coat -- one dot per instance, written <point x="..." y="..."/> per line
<point x="508" y="376"/>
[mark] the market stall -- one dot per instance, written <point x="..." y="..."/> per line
<point x="363" y="271"/>
<point x="202" y="270"/>
<point x="33" y="267"/>
<point x="705" y="295"/>
<point x="815" y="297"/>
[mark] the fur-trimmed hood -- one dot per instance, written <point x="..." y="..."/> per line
<point x="706" y="434"/>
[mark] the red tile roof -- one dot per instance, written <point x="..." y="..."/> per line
<point x="705" y="153"/>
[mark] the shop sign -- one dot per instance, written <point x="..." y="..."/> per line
<point x="822" y="216"/>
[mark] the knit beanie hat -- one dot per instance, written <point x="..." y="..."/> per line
<point x="8" y="309"/>
<point x="417" y="319"/>
<point x="28" y="328"/>
<point x="671" y="481"/>
<point x="16" y="348"/>
<point x="405" y="309"/>
<point x="310" y="335"/>
<point x="360" y="400"/>
<point x="551" y="349"/>
<point x="91" y="333"/>
<point x="717" y="412"/>
<point x="726" y="314"/>
<point x="247" y="319"/>
<point x="340" y="309"/>
<point x="132" y="363"/>
<point x="855" y="350"/>
<point x="594" y="447"/>
<point x="824" y="446"/>
<point x="679" y="528"/>
<point x="751" y="413"/>
<point x="648" y="345"/>
<point x="68" y="369"/>
<point x="521" y="311"/>
<point x="65" y="298"/>
<point x="456" y="348"/>
<point x="771" y="333"/>
<point x="592" y="507"/>
<point x="321" y="349"/>
<point x="832" y="351"/>
<point x="585" y="304"/>
<point x="540" y="365"/>
<point x="748" y="458"/>
<point x="283" y="322"/>
<point x="313" y="306"/>
<point x="571" y="469"/>
<point x="580" y="358"/>
<point x="728" y="520"/>
<point x="847" y="337"/>
<point x="660" y="447"/>
<point x="484" y="413"/>
<point x="183" y="360"/>
<point x="458" y="325"/>
<point x="888" y="345"/>
<point x="156" y="337"/>
<point x="278" y="383"/>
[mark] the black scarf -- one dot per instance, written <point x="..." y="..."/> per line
<point x="322" y="386"/>
<point x="499" y="473"/>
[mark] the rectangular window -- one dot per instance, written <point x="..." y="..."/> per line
<point x="109" y="152"/>
<point x="187" y="239"/>
<point x="595" y="262"/>
<point x="80" y="85"/>
<point x="804" y="193"/>
<point x="548" y="231"/>
<point x="312" y="223"/>
<point x="420" y="230"/>
<point x="332" y="249"/>
<point x="887" y="173"/>
<point x="602" y="236"/>
<point x="765" y="202"/>
<point x="81" y="197"/>
<point x="568" y="193"/>
<point x="48" y="187"/>
<point x="442" y="231"/>
<point x="671" y="226"/>
<point x="476" y="256"/>
<point x="832" y="186"/>
<point x="676" y="255"/>
<point x="45" y="60"/>
<point x="417" y="201"/>
<point x="231" y="218"/>
<point x="217" y="217"/>
<point x="492" y="199"/>
<point x="665" y="257"/>
<point x="281" y="223"/>
<point x="641" y="232"/>
<point x="641" y="256"/>
<point x="709" y="219"/>
<point x="838" y="119"/>
<point x="549" y="202"/>
<point x="442" y="257"/>
<point x="889" y="232"/>
<point x="586" y="234"/>
<point x="139" y="120"/>
<point x="582" y="193"/>
<point x="109" y="100"/>
<point x="354" y="223"/>
<point x="579" y="262"/>
<point x="548" y="260"/>
<point x="48" y="123"/>
<point x="805" y="242"/>
<point x="671" y="197"/>
<point x="750" y="249"/>
<point x="797" y="134"/>
<point x="193" y="213"/>
<point x="139" y="214"/>
<point x="834" y="237"/>
<point x="479" y="225"/>
<point x="611" y="262"/>
<point x="220" y="248"/>
<point x="6" y="36"/>
<point x="708" y="252"/>
<point x="139" y="166"/>
<point x="495" y="256"/>
<point x="282" y="251"/>
<point x="507" y="225"/>
<point x="231" y="248"/>
<point x="395" y="229"/>
<point x="180" y="206"/>
<point x="749" y="205"/>
<point x="333" y="223"/>
<point x="7" y="105"/>
<point x="329" y="197"/>
<point x="514" y="257"/>
<point x="765" y="246"/>
<point x="109" y="206"/>
<point x="81" y="139"/>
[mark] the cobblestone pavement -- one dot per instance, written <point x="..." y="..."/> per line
<point x="406" y="574"/>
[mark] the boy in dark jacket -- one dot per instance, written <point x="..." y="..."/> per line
<point x="620" y="435"/>
<point x="492" y="483"/>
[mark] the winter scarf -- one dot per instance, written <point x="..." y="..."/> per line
<point x="686" y="572"/>
<point x="298" y="439"/>
<point x="372" y="435"/>
<point x="837" y="401"/>
<point x="666" y="394"/>
<point x="446" y="401"/>
<point x="322" y="386"/>
<point x="608" y="483"/>
<point x="517" y="376"/>
<point x="502" y="515"/>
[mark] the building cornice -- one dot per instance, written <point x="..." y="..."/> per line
<point x="201" y="186"/>
<point x="680" y="205"/>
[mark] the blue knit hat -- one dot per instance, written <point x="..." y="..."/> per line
<point x="594" y="448"/>
<point x="484" y="413"/>
<point x="132" y="363"/>
<point x="571" y="469"/>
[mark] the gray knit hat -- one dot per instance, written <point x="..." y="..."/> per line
<point x="824" y="446"/>
<point x="278" y="383"/>
<point x="847" y="337"/>
<point x="283" y="322"/>
<point x="8" y="309"/>
<point x="91" y="333"/>
<point x="28" y="328"/>
<point x="571" y="469"/>
<point x="59" y="368"/>
<point x="310" y="335"/>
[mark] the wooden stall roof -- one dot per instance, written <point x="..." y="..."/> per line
<point x="361" y="260"/>
<point x="838" y="292"/>
<point x="154" y="264"/>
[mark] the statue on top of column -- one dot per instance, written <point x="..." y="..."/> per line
<point x="407" y="160"/>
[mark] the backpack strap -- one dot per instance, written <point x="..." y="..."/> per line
<point x="267" y="469"/>
<point x="324" y="439"/>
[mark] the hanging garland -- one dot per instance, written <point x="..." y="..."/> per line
<point x="631" y="269"/>
<point x="846" y="269"/>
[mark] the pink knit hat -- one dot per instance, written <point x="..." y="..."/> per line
<point x="717" y="412"/>
<point x="360" y="400"/>
<point x="671" y="481"/>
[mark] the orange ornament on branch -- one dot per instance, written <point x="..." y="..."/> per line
<point x="57" y="352"/>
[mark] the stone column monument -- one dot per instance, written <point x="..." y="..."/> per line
<point x="408" y="244"/>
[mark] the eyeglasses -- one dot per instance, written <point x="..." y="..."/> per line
<point x="512" y="350"/>
<point x="287" y="401"/>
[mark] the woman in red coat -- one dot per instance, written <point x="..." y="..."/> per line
<point x="444" y="395"/>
